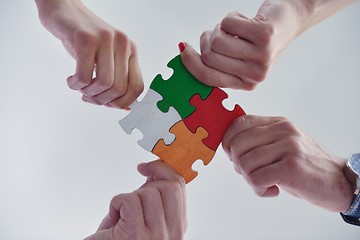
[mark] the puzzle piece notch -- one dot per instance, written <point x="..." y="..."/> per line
<point x="153" y="123"/>
<point x="179" y="88"/>
<point x="212" y="116"/>
<point x="185" y="150"/>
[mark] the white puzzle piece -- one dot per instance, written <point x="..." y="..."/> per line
<point x="153" y="123"/>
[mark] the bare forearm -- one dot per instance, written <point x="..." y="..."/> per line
<point x="311" y="12"/>
<point x="45" y="7"/>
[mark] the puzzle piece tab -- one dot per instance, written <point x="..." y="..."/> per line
<point x="212" y="116"/>
<point x="153" y="123"/>
<point x="185" y="150"/>
<point x="178" y="89"/>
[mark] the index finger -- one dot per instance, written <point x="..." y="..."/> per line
<point x="243" y="124"/>
<point x="209" y="76"/>
<point x="85" y="65"/>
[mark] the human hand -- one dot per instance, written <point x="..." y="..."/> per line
<point x="155" y="211"/>
<point x="271" y="153"/>
<point x="240" y="51"/>
<point x="99" y="49"/>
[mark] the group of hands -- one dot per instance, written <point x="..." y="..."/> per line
<point x="269" y="152"/>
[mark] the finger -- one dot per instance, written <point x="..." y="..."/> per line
<point x="209" y="76"/>
<point x="85" y="63"/>
<point x="243" y="65"/>
<point x="104" y="72"/>
<point x="174" y="204"/>
<point x="135" y="87"/>
<point x="237" y="24"/>
<point x="108" y="222"/>
<point x="272" y="191"/>
<point x="124" y="209"/>
<point x="230" y="45"/>
<point x="258" y="157"/>
<point x="152" y="204"/>
<point x="120" y="79"/>
<point x="264" y="179"/>
<point x="158" y="170"/>
<point x="121" y="95"/>
<point x="243" y="124"/>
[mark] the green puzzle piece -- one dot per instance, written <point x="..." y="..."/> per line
<point x="178" y="89"/>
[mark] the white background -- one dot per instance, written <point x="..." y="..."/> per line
<point x="62" y="160"/>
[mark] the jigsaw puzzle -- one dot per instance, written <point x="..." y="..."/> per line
<point x="182" y="120"/>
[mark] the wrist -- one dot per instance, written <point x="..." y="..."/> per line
<point x="46" y="7"/>
<point x="301" y="12"/>
<point x="352" y="173"/>
<point x="348" y="188"/>
<point x="314" y="11"/>
<point x="286" y="17"/>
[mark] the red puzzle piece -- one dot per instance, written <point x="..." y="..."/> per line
<point x="212" y="116"/>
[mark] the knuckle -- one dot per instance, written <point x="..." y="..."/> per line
<point x="105" y="83"/>
<point x="207" y="56"/>
<point x="80" y="82"/>
<point x="288" y="127"/>
<point x="226" y="21"/>
<point x="148" y="191"/>
<point x="243" y="165"/>
<point x="124" y="42"/>
<point x="216" y="42"/>
<point x="121" y="89"/>
<point x="264" y="58"/>
<point x="86" y="39"/>
<point x="138" y="88"/>
<point x="266" y="34"/>
<point x="132" y="198"/>
<point x="254" y="180"/>
<point x="259" y="72"/>
<point x="294" y="147"/>
<point x="205" y="34"/>
<point x="120" y="197"/>
<point x="291" y="162"/>
<point x="122" y="37"/>
<point x="133" y="46"/>
<point x="107" y="35"/>
<point x="178" y="184"/>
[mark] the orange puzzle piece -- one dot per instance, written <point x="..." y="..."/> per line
<point x="185" y="150"/>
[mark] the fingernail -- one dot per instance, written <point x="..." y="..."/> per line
<point x="182" y="46"/>
<point x="84" y="99"/>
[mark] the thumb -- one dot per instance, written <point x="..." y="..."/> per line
<point x="159" y="170"/>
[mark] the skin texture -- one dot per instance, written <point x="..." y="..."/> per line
<point x="107" y="67"/>
<point x="155" y="211"/>
<point x="272" y="153"/>
<point x="240" y="51"/>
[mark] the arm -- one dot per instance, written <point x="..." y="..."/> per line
<point x="97" y="47"/>
<point x="240" y="51"/>
<point x="155" y="211"/>
<point x="271" y="153"/>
